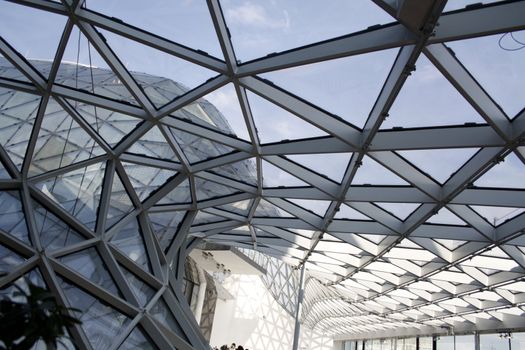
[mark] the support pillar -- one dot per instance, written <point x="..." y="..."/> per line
<point x="300" y="297"/>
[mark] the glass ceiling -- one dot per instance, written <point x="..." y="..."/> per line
<point x="381" y="147"/>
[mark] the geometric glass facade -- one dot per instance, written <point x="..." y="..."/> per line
<point x="388" y="159"/>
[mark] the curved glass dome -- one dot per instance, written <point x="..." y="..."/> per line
<point x="380" y="144"/>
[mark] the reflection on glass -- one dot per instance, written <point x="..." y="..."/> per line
<point x="101" y="323"/>
<point x="89" y="264"/>
<point x="12" y="219"/>
<point x="129" y="240"/>
<point x="137" y="340"/>
<point x="494" y="342"/>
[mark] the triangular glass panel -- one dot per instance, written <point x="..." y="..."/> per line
<point x="507" y="174"/>
<point x="12" y="217"/>
<point x="319" y="207"/>
<point x="146" y="179"/>
<point x="8" y="71"/>
<point x="244" y="171"/>
<point x="267" y="209"/>
<point x="347" y="87"/>
<point x="275" y="124"/>
<point x="497" y="66"/>
<point x="99" y="321"/>
<point x="450" y="244"/>
<point x="260" y="28"/>
<point x="450" y="160"/>
<point x="168" y="20"/>
<point x="32" y="44"/>
<point x="148" y="66"/>
<point x="222" y="106"/>
<point x="4" y="174"/>
<point x="120" y="203"/>
<point x="17" y="115"/>
<point x="12" y="290"/>
<point x="332" y="165"/>
<point x="197" y="148"/>
<point x="129" y="240"/>
<point x="446" y="217"/>
<point x="400" y="210"/>
<point x="346" y="212"/>
<point x="497" y="215"/>
<point x="428" y="87"/>
<point x="9" y="260"/>
<point x="165" y="225"/>
<point x="154" y="145"/>
<point x="112" y="126"/>
<point x="208" y="189"/>
<point x="203" y="217"/>
<point x="89" y="264"/>
<point x="53" y="232"/>
<point x="241" y="207"/>
<point x="141" y="289"/>
<point x="61" y="142"/>
<point x="276" y="177"/>
<point x="77" y="191"/>
<point x="137" y="339"/>
<point x="92" y="73"/>
<point x="161" y="312"/>
<point x="373" y="173"/>
<point x="179" y="195"/>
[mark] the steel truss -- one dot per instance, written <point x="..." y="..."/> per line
<point x="357" y="285"/>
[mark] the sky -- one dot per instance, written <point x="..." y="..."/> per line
<point x="346" y="87"/>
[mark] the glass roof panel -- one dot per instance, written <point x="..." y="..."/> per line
<point x="89" y="264"/>
<point x="165" y="225"/>
<point x="439" y="164"/>
<point x="400" y="210"/>
<point x="7" y="70"/>
<point x="345" y="212"/>
<point x="332" y="165"/>
<point x="139" y="59"/>
<point x="39" y="44"/>
<point x="497" y="215"/>
<point x="53" y="232"/>
<point x="77" y="191"/>
<point x="179" y="195"/>
<point x="110" y="125"/>
<point x="347" y="87"/>
<point x="167" y="20"/>
<point x="120" y="203"/>
<point x="18" y="112"/>
<point x="146" y="179"/>
<point x="154" y="144"/>
<point x="12" y="218"/>
<point x="497" y="63"/>
<point x="507" y="174"/>
<point x="61" y="142"/>
<point x="317" y="206"/>
<point x="224" y="101"/>
<point x="274" y="177"/>
<point x="130" y="241"/>
<point x="100" y="322"/>
<point x="141" y="289"/>
<point x="373" y="173"/>
<point x="9" y="260"/>
<point x="428" y="87"/>
<point x="260" y="28"/>
<point x="445" y="216"/>
<point x="276" y="124"/>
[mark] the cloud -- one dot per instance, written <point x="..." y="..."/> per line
<point x="255" y="15"/>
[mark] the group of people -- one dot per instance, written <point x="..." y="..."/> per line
<point x="231" y="347"/>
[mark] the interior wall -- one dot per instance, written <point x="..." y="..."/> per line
<point x="255" y="320"/>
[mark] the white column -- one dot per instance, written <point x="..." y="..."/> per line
<point x="201" y="295"/>
<point x="300" y="297"/>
